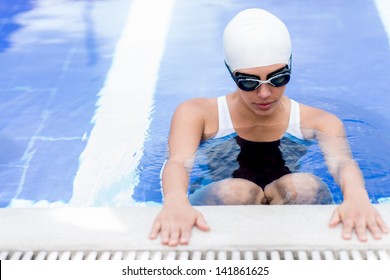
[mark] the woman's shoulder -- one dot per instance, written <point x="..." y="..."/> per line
<point x="199" y="111"/>
<point x="198" y="105"/>
<point x="201" y="101"/>
<point x="316" y="119"/>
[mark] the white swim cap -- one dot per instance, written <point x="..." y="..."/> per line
<point x="255" y="38"/>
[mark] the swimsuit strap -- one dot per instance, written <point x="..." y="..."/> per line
<point x="225" y="124"/>
<point x="294" y="124"/>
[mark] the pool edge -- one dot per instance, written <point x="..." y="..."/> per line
<point x="303" y="227"/>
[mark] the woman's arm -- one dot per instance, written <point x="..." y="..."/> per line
<point x="175" y="221"/>
<point x="356" y="213"/>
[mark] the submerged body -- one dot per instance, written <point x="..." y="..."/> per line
<point x="255" y="126"/>
<point x="259" y="162"/>
<point x="262" y="161"/>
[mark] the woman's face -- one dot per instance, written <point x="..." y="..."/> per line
<point x="265" y="99"/>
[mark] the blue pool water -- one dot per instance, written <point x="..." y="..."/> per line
<point x="88" y="89"/>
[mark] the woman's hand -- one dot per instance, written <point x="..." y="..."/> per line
<point x="175" y="221"/>
<point x="358" y="214"/>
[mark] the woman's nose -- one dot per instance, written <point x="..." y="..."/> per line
<point x="264" y="91"/>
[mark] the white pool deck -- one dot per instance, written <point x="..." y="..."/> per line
<point x="232" y="228"/>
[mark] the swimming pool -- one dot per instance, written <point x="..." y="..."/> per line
<point x="86" y="100"/>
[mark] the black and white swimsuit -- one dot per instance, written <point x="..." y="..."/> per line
<point x="228" y="155"/>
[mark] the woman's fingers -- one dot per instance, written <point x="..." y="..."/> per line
<point x="361" y="229"/>
<point x="165" y="234"/>
<point x="200" y="222"/>
<point x="155" y="230"/>
<point x="185" y="235"/>
<point x="335" y="219"/>
<point x="382" y="224"/>
<point x="347" y="229"/>
<point x="174" y="235"/>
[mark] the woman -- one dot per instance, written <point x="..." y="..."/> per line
<point x="261" y="119"/>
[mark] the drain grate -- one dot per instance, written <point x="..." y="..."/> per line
<point x="198" y="255"/>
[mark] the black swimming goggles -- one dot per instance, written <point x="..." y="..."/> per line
<point x="248" y="82"/>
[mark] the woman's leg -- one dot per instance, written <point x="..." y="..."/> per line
<point x="298" y="188"/>
<point x="232" y="191"/>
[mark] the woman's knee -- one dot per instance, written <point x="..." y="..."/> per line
<point x="241" y="191"/>
<point x="231" y="192"/>
<point x="298" y="188"/>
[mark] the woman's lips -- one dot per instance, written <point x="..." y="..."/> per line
<point x="263" y="106"/>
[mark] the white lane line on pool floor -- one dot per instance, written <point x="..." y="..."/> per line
<point x="107" y="172"/>
<point x="383" y="7"/>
